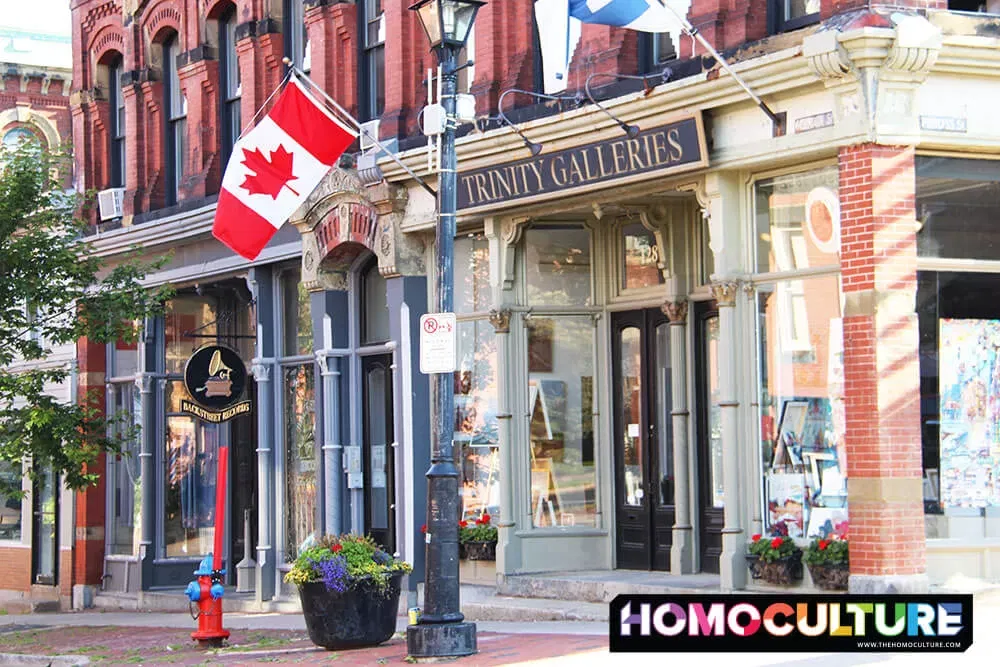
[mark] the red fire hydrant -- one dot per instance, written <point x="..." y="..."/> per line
<point x="208" y="590"/>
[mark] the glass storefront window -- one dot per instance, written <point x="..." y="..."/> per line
<point x="640" y="258"/>
<point x="184" y="315"/>
<point x="10" y="503"/>
<point x="300" y="455"/>
<point x="558" y="265"/>
<point x="472" y="274"/>
<point x="298" y="339"/>
<point x="190" y="459"/>
<point x="798" y="221"/>
<point x="123" y="478"/>
<point x="561" y="406"/>
<point x="476" y="427"/>
<point x="957" y="202"/>
<point x="959" y="323"/>
<point x="802" y="408"/>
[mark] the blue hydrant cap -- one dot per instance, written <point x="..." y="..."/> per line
<point x="193" y="591"/>
<point x="216" y="591"/>
<point x="205" y="568"/>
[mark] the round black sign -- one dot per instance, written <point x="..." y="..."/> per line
<point x="215" y="377"/>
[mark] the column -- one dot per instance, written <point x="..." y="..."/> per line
<point x="333" y="450"/>
<point x="146" y="381"/>
<point x="881" y="370"/>
<point x="732" y="564"/>
<point x="508" y="556"/>
<point x="262" y="367"/>
<point x="407" y="301"/>
<point x="681" y="550"/>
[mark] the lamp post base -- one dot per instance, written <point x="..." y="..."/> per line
<point x="441" y="640"/>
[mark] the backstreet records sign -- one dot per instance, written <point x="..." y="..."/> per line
<point x="653" y="152"/>
<point x="215" y="378"/>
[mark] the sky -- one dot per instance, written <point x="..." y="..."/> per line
<point x="49" y="20"/>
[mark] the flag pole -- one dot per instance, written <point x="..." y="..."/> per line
<point x="695" y="34"/>
<point x="305" y="77"/>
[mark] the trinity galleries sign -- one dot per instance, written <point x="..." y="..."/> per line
<point x="677" y="146"/>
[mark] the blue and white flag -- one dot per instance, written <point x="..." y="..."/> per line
<point x="641" y="15"/>
<point x="559" y="27"/>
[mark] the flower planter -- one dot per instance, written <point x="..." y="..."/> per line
<point x="478" y="550"/>
<point x="360" y="616"/>
<point x="783" y="571"/>
<point x="830" y="577"/>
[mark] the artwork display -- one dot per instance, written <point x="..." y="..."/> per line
<point x="786" y="504"/>
<point x="969" y="393"/>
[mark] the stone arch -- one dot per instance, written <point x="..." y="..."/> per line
<point x="26" y="116"/>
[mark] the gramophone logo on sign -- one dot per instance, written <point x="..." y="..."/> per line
<point x="215" y="378"/>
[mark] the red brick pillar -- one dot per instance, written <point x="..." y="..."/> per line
<point x="88" y="543"/>
<point x="830" y="8"/>
<point x="881" y="369"/>
<point x="200" y="86"/>
<point x="504" y="54"/>
<point x="332" y="37"/>
<point x="407" y="54"/>
<point x="147" y="158"/>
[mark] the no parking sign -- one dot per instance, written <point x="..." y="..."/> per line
<point x="437" y="343"/>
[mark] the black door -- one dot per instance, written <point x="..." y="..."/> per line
<point x="644" y="462"/>
<point x="380" y="501"/>
<point x="44" y="534"/>
<point x="709" y="435"/>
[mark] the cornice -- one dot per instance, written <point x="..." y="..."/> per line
<point x="187" y="225"/>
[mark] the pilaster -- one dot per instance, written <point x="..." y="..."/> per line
<point x="682" y="546"/>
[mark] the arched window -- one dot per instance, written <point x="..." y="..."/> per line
<point x="12" y="138"/>
<point x="116" y="134"/>
<point x="176" y="113"/>
<point x="229" y="84"/>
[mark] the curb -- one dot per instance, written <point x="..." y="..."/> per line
<point x="51" y="660"/>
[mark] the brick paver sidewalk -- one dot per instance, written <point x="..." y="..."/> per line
<point x="140" y="646"/>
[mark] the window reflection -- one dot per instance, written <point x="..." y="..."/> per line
<point x="557" y="262"/>
<point x="561" y="405"/>
<point x="190" y="314"/>
<point x="300" y="456"/>
<point x="190" y="459"/>
<point x="631" y="418"/>
<point x="640" y="258"/>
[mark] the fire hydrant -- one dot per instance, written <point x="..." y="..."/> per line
<point x="207" y="592"/>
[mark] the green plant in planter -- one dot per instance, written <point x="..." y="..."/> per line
<point x="480" y="531"/>
<point x="826" y="552"/>
<point x="770" y="550"/>
<point x="342" y="562"/>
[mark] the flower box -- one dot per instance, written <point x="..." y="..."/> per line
<point x="782" y="571"/>
<point x="830" y="577"/>
<point x="480" y="550"/>
<point x="362" y="615"/>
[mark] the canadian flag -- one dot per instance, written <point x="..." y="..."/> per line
<point x="274" y="167"/>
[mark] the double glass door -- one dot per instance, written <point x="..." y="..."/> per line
<point x="644" y="462"/>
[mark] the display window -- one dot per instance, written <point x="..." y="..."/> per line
<point x="800" y="333"/>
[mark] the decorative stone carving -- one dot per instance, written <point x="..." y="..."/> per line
<point x="261" y="370"/>
<point x="827" y="58"/>
<point x="724" y="293"/>
<point x="341" y="219"/>
<point x="510" y="233"/>
<point x="500" y="319"/>
<point x="676" y="311"/>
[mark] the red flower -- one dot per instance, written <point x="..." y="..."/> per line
<point x="755" y="537"/>
<point x="337" y="548"/>
<point x="485" y="519"/>
<point x="823" y="544"/>
<point x="776" y="542"/>
<point x="463" y="524"/>
<point x="423" y="528"/>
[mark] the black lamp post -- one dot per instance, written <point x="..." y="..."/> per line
<point x="442" y="631"/>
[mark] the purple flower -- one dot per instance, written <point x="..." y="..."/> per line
<point x="381" y="557"/>
<point x="333" y="573"/>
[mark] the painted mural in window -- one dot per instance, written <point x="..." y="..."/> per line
<point x="802" y="414"/>
<point x="300" y="455"/>
<point x="476" y="381"/>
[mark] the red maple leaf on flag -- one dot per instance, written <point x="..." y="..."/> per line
<point x="269" y="175"/>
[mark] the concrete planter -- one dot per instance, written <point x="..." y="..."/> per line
<point x="360" y="616"/>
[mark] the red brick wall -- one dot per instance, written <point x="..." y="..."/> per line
<point x="15" y="569"/>
<point x="881" y="360"/>
<point x="88" y="553"/>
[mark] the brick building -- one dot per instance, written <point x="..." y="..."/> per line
<point x="36" y="530"/>
<point x="670" y="338"/>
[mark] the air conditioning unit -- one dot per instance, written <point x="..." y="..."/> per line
<point x="109" y="202"/>
<point x="369" y="135"/>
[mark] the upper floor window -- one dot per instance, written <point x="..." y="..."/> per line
<point x="372" y="60"/>
<point x="13" y="138"/>
<point x="467" y="75"/>
<point x="116" y="134"/>
<point x="176" y="107"/>
<point x="295" y="29"/>
<point x="229" y="84"/>
<point x="794" y="14"/>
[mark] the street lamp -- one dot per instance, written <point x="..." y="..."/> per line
<point x="441" y="631"/>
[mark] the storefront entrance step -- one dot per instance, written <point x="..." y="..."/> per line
<point x="174" y="600"/>
<point x="527" y="610"/>
<point x="602" y="586"/>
